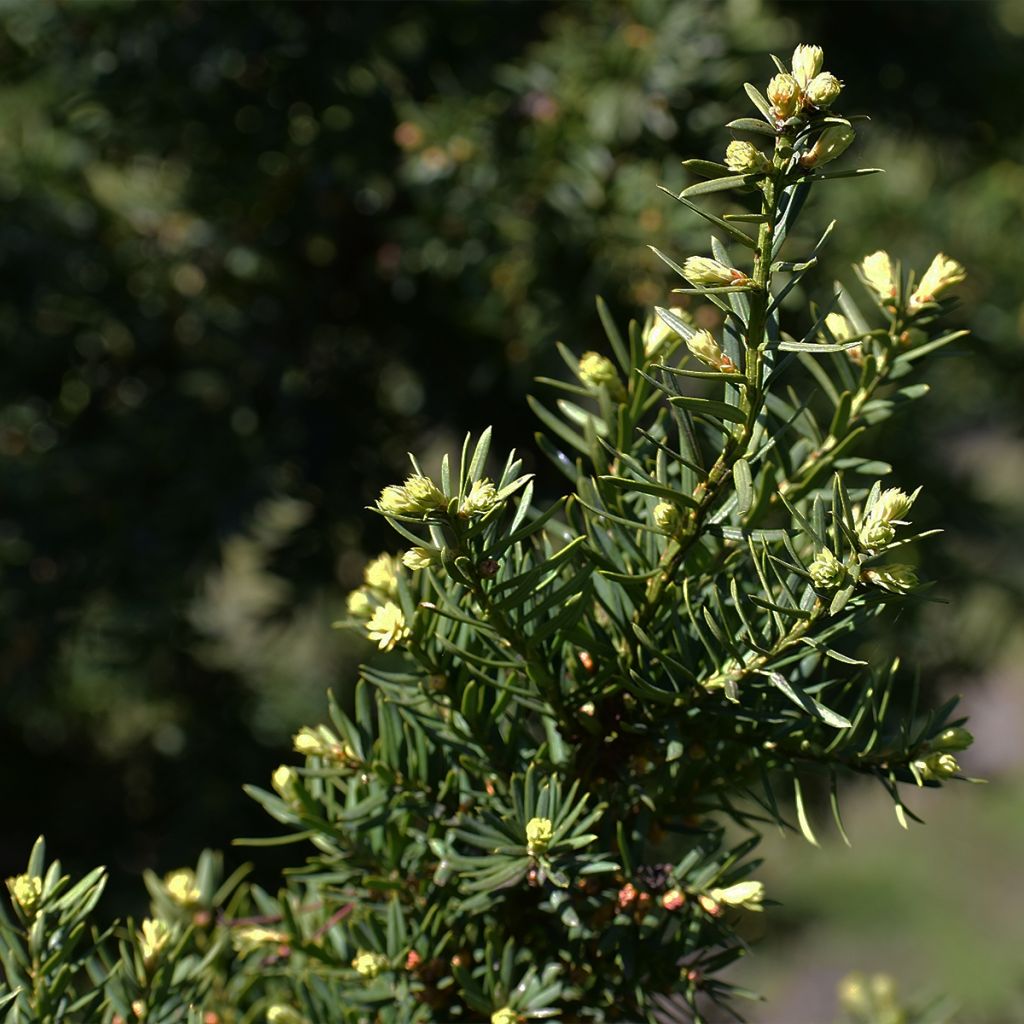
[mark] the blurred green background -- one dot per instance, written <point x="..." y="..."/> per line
<point x="252" y="253"/>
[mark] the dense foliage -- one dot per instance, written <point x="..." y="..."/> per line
<point x="545" y="800"/>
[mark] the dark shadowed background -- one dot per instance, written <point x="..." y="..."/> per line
<point x="252" y="253"/>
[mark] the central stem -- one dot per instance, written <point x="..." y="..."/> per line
<point x="736" y="444"/>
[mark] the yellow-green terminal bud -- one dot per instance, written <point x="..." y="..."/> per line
<point x="382" y="574"/>
<point x="839" y="327"/>
<point x="417" y="496"/>
<point x="956" y="738"/>
<point x="853" y="995"/>
<point x="598" y="371"/>
<point x="506" y="1015"/>
<point x="26" y="891"/>
<point x="823" y="90"/>
<point x="387" y="626"/>
<point x="784" y="95"/>
<point x="307" y="742"/>
<point x="745" y="158"/>
<point x="538" y="835"/>
<point x="153" y="937"/>
<point x="321" y="742"/>
<point x="830" y="144"/>
<point x="279" y="1014"/>
<point x="181" y="886"/>
<point x="419" y="558"/>
<point x="704" y="272"/>
<point x="395" y="500"/>
<point x="876" y="533"/>
<point x="879" y="274"/>
<point x="249" y="939"/>
<point x="826" y="570"/>
<point x="482" y="497"/>
<point x="666" y="516"/>
<point x="748" y="895"/>
<point x="424" y="494"/>
<point x="937" y="766"/>
<point x="369" y="965"/>
<point x="896" y="578"/>
<point x="870" y="1000"/>
<point x="657" y="332"/>
<point x="285" y="780"/>
<point x="942" y="273"/>
<point x="892" y="504"/>
<point x="703" y="345"/>
<point x="807" y="61"/>
<point x="359" y="604"/>
<point x="889" y="507"/>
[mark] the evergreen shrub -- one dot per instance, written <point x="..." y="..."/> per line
<point x="547" y="798"/>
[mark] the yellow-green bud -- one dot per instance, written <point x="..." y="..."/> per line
<point x="26" y="891"/>
<point x="839" y="327"/>
<point x="745" y="157"/>
<point x="482" y="497"/>
<point x="853" y="994"/>
<point x="307" y="742"/>
<point x="826" y="570"/>
<point x="937" y="766"/>
<point x="703" y="345"/>
<point x="246" y="940"/>
<point x="784" y="95"/>
<point x="285" y="780"/>
<point x="705" y="272"/>
<point x="368" y="964"/>
<point x="876" y="533"/>
<point x="153" y="937"/>
<point x="879" y="274"/>
<point x="892" y="505"/>
<point x="743" y="894"/>
<point x="823" y="90"/>
<point x="883" y="988"/>
<point x="359" y="604"/>
<point x="395" y="501"/>
<point x="387" y="626"/>
<point x="419" y="558"/>
<point x="382" y="574"/>
<point x="321" y="742"/>
<point x="870" y="1000"/>
<point x="896" y="578"/>
<point x="666" y="515"/>
<point x="941" y="274"/>
<point x="181" y="886"/>
<point x="538" y="834"/>
<point x="807" y="61"/>
<point x="830" y="144"/>
<point x="424" y="493"/>
<point x="279" y="1014"/>
<point x="657" y="332"/>
<point x="598" y="371"/>
<point x="956" y="738"/>
<point x="506" y="1015"/>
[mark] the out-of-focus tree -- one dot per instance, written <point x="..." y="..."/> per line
<point x="227" y="251"/>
